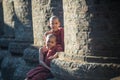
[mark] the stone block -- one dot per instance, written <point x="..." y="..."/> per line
<point x="21" y="71"/>
<point x="94" y="59"/>
<point x="3" y="54"/>
<point x="31" y="54"/>
<point x="4" y="42"/>
<point x="9" y="65"/>
<point x="72" y="70"/>
<point x="18" y="48"/>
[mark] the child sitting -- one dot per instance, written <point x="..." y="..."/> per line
<point x="42" y="72"/>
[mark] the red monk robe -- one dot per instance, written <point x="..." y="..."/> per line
<point x="40" y="72"/>
<point x="59" y="35"/>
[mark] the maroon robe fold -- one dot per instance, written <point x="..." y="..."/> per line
<point x="40" y="72"/>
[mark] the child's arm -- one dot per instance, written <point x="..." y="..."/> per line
<point x="58" y="49"/>
<point x="54" y="56"/>
<point x="41" y="57"/>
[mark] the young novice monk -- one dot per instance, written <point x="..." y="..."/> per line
<point x="56" y="29"/>
<point x="42" y="72"/>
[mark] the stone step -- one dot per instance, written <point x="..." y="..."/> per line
<point x="31" y="54"/>
<point x="94" y="59"/>
<point x="3" y="54"/>
<point x="18" y="48"/>
<point x="9" y="66"/>
<point x="72" y="70"/>
<point x="4" y="42"/>
<point x="116" y="78"/>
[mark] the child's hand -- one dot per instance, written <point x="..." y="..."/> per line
<point x="54" y="56"/>
<point x="44" y="49"/>
<point x="51" y="57"/>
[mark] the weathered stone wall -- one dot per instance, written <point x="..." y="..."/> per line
<point x="103" y="35"/>
<point x="18" y="19"/>
<point x="8" y="12"/>
<point x="40" y="16"/>
<point x="93" y="28"/>
<point x="91" y="41"/>
<point x="76" y="27"/>
<point x="23" y="20"/>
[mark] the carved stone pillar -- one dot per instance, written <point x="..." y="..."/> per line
<point x="23" y="26"/>
<point x="23" y="20"/>
<point x="8" y="23"/>
<point x="39" y="15"/>
<point x="8" y="13"/>
<point x="91" y="41"/>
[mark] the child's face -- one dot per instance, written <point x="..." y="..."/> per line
<point x="50" y="42"/>
<point x="54" y="24"/>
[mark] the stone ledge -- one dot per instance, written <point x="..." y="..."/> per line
<point x="23" y="41"/>
<point x="21" y="71"/>
<point x="31" y="54"/>
<point x="4" y="42"/>
<point x="116" y="78"/>
<point x="9" y="65"/>
<point x="4" y="54"/>
<point x="95" y="59"/>
<point x="68" y="70"/>
<point x="17" y="48"/>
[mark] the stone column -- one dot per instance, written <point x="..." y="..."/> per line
<point x="91" y="41"/>
<point x="8" y="25"/>
<point x="39" y="14"/>
<point x="23" y="20"/>
<point x="8" y="18"/>
<point x="23" y="26"/>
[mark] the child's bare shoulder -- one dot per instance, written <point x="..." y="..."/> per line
<point x="47" y="32"/>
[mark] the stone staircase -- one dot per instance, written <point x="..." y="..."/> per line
<point x="17" y="58"/>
